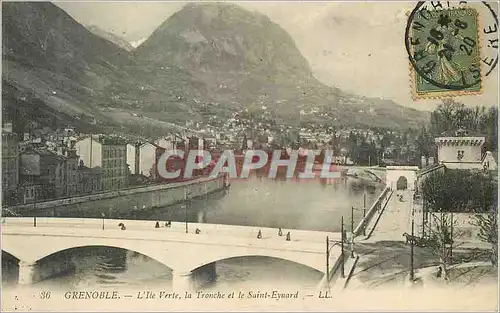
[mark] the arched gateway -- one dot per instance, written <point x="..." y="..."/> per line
<point x="401" y="177"/>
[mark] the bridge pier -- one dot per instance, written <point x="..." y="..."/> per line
<point x="193" y="280"/>
<point x="26" y="273"/>
<point x="182" y="281"/>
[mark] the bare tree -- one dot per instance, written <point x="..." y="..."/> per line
<point x="488" y="232"/>
<point x="441" y="237"/>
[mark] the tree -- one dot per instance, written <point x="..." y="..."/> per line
<point x="446" y="191"/>
<point x="460" y="191"/>
<point x="441" y="237"/>
<point x="482" y="192"/>
<point x="446" y="117"/>
<point x="451" y="115"/>
<point x="424" y="143"/>
<point x="488" y="232"/>
<point x="484" y="198"/>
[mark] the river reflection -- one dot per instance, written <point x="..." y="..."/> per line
<point x="308" y="204"/>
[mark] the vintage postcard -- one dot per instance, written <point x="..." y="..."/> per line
<point x="249" y="156"/>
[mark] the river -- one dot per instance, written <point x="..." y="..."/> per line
<point x="310" y="204"/>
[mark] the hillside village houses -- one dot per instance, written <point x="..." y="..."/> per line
<point x="45" y="159"/>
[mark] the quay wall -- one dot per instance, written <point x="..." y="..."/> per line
<point x="125" y="200"/>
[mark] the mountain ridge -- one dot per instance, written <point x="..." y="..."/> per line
<point x="83" y="74"/>
<point x="117" y="40"/>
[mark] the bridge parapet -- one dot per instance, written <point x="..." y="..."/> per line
<point x="175" y="227"/>
<point x="180" y="251"/>
<point x="371" y="212"/>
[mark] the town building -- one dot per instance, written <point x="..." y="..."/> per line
<point x="460" y="151"/>
<point x="10" y="165"/>
<point x="89" y="179"/>
<point x="142" y="158"/>
<point x="210" y="143"/>
<point x="490" y="161"/>
<point x="43" y="172"/>
<point x="167" y="142"/>
<point x="67" y="149"/>
<point x="107" y="153"/>
<point x="29" y="188"/>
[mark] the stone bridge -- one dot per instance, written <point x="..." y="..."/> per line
<point x="190" y="255"/>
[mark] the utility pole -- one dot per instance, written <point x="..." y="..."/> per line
<point x="34" y="206"/>
<point x="342" y="248"/>
<point x="327" y="260"/>
<point x="352" y="232"/>
<point x="364" y="222"/>
<point x="186" y="210"/>
<point x="364" y="212"/>
<point x="423" y="218"/>
<point x="412" y="273"/>
<point x="451" y="236"/>
<point x="364" y="199"/>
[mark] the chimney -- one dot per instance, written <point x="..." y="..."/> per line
<point x="424" y="161"/>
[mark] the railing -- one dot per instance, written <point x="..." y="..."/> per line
<point x="105" y="224"/>
<point x="369" y="214"/>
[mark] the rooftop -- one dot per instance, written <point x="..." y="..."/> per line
<point x="461" y="133"/>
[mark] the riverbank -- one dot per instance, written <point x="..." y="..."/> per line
<point x="385" y="258"/>
<point x="121" y="201"/>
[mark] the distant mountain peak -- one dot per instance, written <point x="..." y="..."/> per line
<point x="117" y="40"/>
<point x="224" y="37"/>
<point x="137" y="43"/>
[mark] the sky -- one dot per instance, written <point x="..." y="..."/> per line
<point x="355" y="46"/>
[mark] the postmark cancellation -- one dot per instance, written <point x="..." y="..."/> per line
<point x="444" y="48"/>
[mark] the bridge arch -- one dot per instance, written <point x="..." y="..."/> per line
<point x="58" y="246"/>
<point x="71" y="251"/>
<point x="11" y="255"/>
<point x="401" y="177"/>
<point x="402" y="183"/>
<point x="277" y="256"/>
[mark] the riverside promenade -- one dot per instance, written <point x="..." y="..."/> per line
<point x="383" y="255"/>
<point x="395" y="219"/>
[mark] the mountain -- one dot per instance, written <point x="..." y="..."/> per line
<point x="138" y="42"/>
<point x="50" y="59"/>
<point x="247" y="61"/>
<point x="120" y="42"/>
<point x="206" y="60"/>
<point x="50" y="56"/>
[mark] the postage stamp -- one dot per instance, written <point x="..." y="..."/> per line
<point x="445" y="52"/>
<point x="452" y="48"/>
